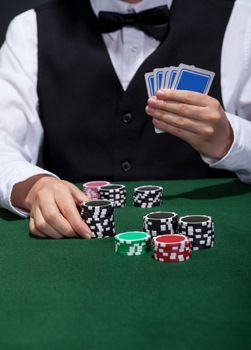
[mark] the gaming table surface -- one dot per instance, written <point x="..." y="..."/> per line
<point x="79" y="294"/>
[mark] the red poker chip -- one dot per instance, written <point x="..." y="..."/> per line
<point x="167" y="254"/>
<point x="171" y="257"/>
<point x="172" y="261"/>
<point x="170" y="240"/>
<point x="172" y="246"/>
<point x="179" y="251"/>
<point x="185" y="258"/>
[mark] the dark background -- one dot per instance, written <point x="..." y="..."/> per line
<point x="10" y="8"/>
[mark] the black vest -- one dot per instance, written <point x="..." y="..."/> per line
<point x="83" y="106"/>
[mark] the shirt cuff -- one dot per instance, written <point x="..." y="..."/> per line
<point x="238" y="158"/>
<point x="19" y="173"/>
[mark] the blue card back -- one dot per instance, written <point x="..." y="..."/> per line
<point x="192" y="81"/>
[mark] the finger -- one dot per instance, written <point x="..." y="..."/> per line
<point x="184" y="135"/>
<point x="34" y="231"/>
<point x="179" y="109"/>
<point x="184" y="96"/>
<point x="78" y="195"/>
<point x="43" y="227"/>
<point x="67" y="207"/>
<point x="175" y="120"/>
<point x="55" y="219"/>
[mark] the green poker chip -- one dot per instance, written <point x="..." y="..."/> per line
<point x="132" y="243"/>
<point x="132" y="237"/>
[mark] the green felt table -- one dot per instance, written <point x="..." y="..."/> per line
<point x="77" y="294"/>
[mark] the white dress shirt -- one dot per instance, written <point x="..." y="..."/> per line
<point x="21" y="132"/>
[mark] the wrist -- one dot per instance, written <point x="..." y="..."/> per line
<point x="20" y="193"/>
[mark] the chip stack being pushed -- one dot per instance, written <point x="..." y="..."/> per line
<point x="91" y="188"/>
<point x="171" y="248"/>
<point x="132" y="243"/>
<point x="160" y="223"/>
<point x="148" y="196"/>
<point x="114" y="193"/>
<point x="99" y="216"/>
<point x="199" y="229"/>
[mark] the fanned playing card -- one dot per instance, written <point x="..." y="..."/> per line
<point x="193" y="79"/>
<point x="183" y="77"/>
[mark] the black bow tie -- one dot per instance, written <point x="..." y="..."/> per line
<point x="153" y="22"/>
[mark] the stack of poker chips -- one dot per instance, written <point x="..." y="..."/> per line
<point x="114" y="193"/>
<point x="91" y="188"/>
<point x="99" y="216"/>
<point x="199" y="229"/>
<point x="171" y="248"/>
<point x="160" y="223"/>
<point x="132" y="243"/>
<point x="148" y="196"/>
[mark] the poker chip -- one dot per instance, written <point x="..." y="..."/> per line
<point x="114" y="193"/>
<point x="147" y="196"/>
<point x="178" y="259"/>
<point x="172" y="238"/>
<point x="171" y="248"/>
<point x="132" y="243"/>
<point x="99" y="216"/>
<point x="91" y="188"/>
<point x="199" y="229"/>
<point x="160" y="223"/>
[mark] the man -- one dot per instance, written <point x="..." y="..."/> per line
<point x="88" y="84"/>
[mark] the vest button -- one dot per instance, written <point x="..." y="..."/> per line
<point x="126" y="166"/>
<point x="127" y="118"/>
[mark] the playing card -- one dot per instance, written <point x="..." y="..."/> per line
<point x="184" y="77"/>
<point x="158" y="78"/>
<point x="169" y="77"/>
<point x="193" y="79"/>
<point x="153" y="80"/>
<point x="165" y="77"/>
<point x="150" y="85"/>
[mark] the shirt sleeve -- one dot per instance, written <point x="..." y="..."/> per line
<point x="238" y="159"/>
<point x="236" y="91"/>
<point x="21" y="131"/>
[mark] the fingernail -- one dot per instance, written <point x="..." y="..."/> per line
<point x="152" y="100"/>
<point x="150" y="110"/>
<point x="88" y="236"/>
<point x="160" y="93"/>
<point x="156" y="122"/>
<point x="91" y="234"/>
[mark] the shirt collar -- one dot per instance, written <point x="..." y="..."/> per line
<point x="123" y="7"/>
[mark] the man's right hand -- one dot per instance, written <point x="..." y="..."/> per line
<point x="53" y="208"/>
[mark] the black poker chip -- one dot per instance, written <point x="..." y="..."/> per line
<point x="199" y="229"/>
<point x="147" y="196"/>
<point x="115" y="193"/>
<point x="99" y="216"/>
<point x="160" y="223"/>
